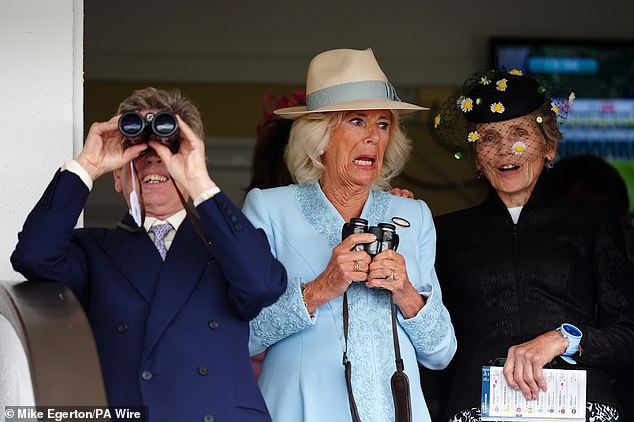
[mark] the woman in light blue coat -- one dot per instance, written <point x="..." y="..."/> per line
<point x="344" y="147"/>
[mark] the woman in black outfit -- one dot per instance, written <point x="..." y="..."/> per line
<point x="527" y="260"/>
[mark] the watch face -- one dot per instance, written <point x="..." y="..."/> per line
<point x="571" y="330"/>
<point x="568" y="359"/>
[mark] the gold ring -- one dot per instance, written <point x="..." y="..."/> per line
<point x="357" y="267"/>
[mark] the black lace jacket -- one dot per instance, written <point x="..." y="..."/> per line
<point x="505" y="284"/>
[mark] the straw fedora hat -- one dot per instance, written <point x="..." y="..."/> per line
<point x="345" y="80"/>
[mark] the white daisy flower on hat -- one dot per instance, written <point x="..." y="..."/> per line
<point x="466" y="104"/>
<point x="436" y="121"/>
<point x="519" y="147"/>
<point x="473" y="136"/>
<point x="497" y="108"/>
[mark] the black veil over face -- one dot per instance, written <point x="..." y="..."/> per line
<point x="489" y="105"/>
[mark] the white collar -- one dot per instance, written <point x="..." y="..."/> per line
<point x="175" y="220"/>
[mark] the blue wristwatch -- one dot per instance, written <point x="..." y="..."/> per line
<point x="573" y="334"/>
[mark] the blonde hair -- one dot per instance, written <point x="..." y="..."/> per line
<point x="311" y="135"/>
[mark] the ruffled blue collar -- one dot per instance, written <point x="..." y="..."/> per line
<point x="317" y="210"/>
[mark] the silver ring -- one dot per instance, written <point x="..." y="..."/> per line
<point x="391" y="276"/>
<point x="357" y="267"/>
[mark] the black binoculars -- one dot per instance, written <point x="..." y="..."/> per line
<point x="137" y="128"/>
<point x="386" y="236"/>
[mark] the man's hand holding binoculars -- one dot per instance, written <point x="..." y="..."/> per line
<point x="103" y="150"/>
<point x="188" y="165"/>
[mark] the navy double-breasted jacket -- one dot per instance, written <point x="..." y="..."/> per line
<point x="171" y="335"/>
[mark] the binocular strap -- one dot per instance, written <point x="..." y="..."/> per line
<point x="188" y="210"/>
<point x="195" y="222"/>
<point x="346" y="363"/>
<point x="399" y="381"/>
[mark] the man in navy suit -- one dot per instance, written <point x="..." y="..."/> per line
<point x="171" y="332"/>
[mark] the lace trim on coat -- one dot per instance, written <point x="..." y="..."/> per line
<point x="370" y="347"/>
<point x="429" y="327"/>
<point x="271" y="325"/>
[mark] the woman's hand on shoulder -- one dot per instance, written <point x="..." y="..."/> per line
<point x="388" y="271"/>
<point x="525" y="362"/>
<point x="405" y="193"/>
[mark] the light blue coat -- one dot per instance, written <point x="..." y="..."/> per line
<point x="302" y="377"/>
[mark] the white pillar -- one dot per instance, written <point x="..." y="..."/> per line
<point x="15" y="377"/>
<point x="41" y="105"/>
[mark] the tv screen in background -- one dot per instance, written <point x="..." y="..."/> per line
<point x="601" y="74"/>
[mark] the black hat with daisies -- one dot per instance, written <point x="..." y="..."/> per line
<point x="501" y="95"/>
<point x="494" y="96"/>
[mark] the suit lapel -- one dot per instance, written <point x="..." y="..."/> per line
<point x="180" y="273"/>
<point x="133" y="252"/>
